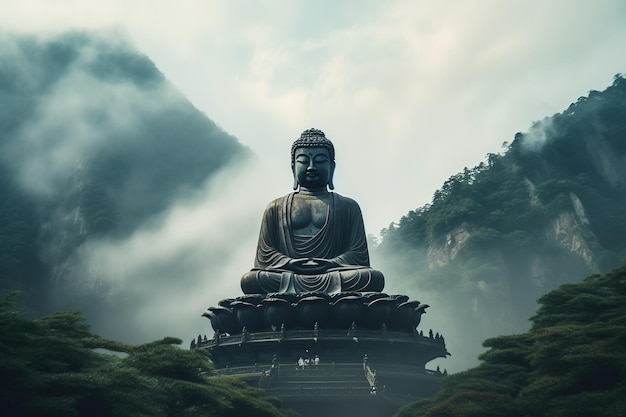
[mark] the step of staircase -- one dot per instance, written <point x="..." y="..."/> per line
<point x="319" y="381"/>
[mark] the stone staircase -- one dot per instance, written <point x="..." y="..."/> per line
<point x="322" y="381"/>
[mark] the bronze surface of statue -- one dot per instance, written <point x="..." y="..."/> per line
<point x="312" y="239"/>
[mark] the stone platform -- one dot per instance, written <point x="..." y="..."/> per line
<point x="369" y="367"/>
<point x="382" y="347"/>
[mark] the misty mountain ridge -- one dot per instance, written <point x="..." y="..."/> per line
<point x="550" y="209"/>
<point x="94" y="143"/>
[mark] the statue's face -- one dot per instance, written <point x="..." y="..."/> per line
<point x="313" y="167"/>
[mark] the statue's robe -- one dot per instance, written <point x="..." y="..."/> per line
<point x="341" y="239"/>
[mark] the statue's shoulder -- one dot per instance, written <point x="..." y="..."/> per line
<point x="346" y="201"/>
<point x="277" y="202"/>
<point x="281" y="199"/>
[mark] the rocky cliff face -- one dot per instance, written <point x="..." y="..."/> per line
<point x="482" y="290"/>
<point x="500" y="296"/>
<point x="571" y="231"/>
<point x="444" y="249"/>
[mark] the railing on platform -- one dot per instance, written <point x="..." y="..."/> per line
<point x="316" y="333"/>
<point x="370" y="375"/>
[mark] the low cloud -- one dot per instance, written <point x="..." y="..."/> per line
<point x="539" y="134"/>
<point x="99" y="137"/>
<point x="160" y="279"/>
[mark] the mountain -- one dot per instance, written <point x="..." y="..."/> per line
<point x="94" y="143"/>
<point x="549" y="209"/>
<point x="570" y="363"/>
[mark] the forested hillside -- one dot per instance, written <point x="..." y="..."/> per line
<point x="94" y="142"/>
<point x="549" y="209"/>
<point x="571" y="363"/>
<point x="50" y="367"/>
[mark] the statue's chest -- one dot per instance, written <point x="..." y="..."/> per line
<point x="308" y="215"/>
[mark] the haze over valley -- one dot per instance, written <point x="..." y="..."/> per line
<point x="134" y="178"/>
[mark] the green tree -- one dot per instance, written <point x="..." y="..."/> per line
<point x="53" y="367"/>
<point x="571" y="362"/>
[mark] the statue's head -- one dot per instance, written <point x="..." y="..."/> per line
<point x="312" y="151"/>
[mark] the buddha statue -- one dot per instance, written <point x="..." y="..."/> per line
<point x="312" y="239"/>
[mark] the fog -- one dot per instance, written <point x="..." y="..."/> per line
<point x="91" y="141"/>
<point x="159" y="281"/>
<point x="410" y="93"/>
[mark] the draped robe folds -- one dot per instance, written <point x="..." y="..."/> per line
<point x="342" y="239"/>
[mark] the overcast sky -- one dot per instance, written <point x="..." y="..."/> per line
<point x="410" y="92"/>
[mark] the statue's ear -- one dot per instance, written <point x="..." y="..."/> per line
<point x="330" y="178"/>
<point x="295" y="180"/>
